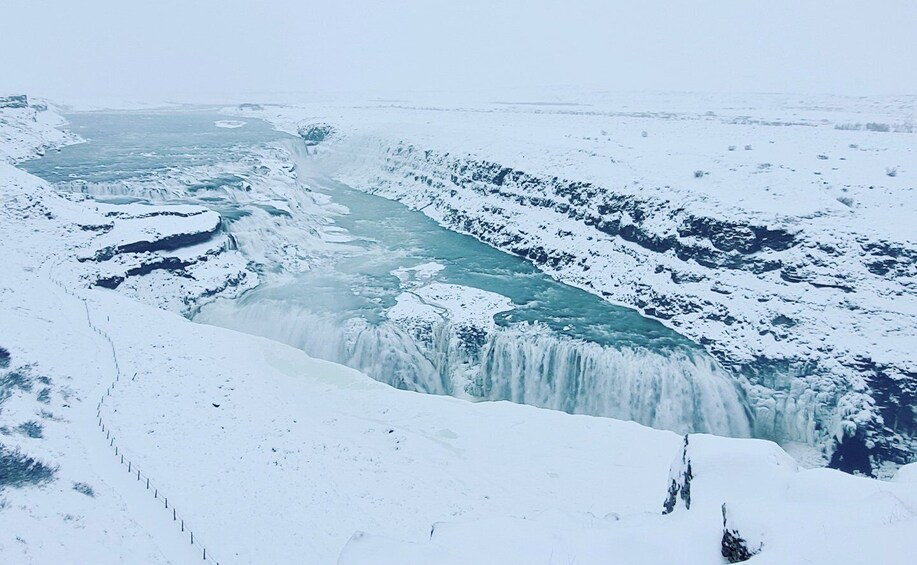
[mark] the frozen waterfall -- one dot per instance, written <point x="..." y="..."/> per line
<point x="679" y="389"/>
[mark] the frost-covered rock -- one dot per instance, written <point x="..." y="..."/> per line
<point x="14" y="101"/>
<point x="313" y="134"/>
<point x="680" y="475"/>
<point x="741" y="541"/>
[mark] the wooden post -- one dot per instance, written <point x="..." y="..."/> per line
<point x="173" y="514"/>
<point x="167" y="501"/>
<point x="147" y="483"/>
<point x="128" y="466"/>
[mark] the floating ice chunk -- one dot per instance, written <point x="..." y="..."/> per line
<point x="230" y="124"/>
<point x="459" y="304"/>
<point x="410" y="276"/>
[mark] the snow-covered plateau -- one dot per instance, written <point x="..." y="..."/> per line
<point x="129" y="434"/>
<point x="775" y="230"/>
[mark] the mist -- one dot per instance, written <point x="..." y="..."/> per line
<point x="220" y="50"/>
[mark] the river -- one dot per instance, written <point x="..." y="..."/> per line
<point x="384" y="289"/>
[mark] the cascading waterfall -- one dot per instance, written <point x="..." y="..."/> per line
<point x="677" y="389"/>
<point x="385" y="352"/>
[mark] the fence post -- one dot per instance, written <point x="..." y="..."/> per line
<point x="167" y="501"/>
<point x="147" y="483"/>
<point x="192" y="538"/>
<point x="155" y="493"/>
<point x="128" y="466"/>
<point x="173" y="513"/>
<point x="205" y="554"/>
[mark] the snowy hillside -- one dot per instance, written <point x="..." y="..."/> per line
<point x="774" y="230"/>
<point x="29" y="128"/>
<point x="258" y="453"/>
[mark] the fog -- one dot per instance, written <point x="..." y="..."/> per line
<point x="201" y="50"/>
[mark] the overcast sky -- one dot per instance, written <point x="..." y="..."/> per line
<point x="77" y="50"/>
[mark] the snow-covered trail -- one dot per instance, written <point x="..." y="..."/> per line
<point x="134" y="500"/>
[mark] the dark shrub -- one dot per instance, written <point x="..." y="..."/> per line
<point x="83" y="488"/>
<point x="32" y="429"/>
<point x="18" y="469"/>
<point x="19" y="378"/>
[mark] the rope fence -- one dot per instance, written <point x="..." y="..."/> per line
<point x="142" y="479"/>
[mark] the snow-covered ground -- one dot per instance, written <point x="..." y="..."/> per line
<point x="270" y="456"/>
<point x="774" y="229"/>
<point x="26" y="133"/>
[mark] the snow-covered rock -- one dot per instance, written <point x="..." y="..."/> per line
<point x="28" y="131"/>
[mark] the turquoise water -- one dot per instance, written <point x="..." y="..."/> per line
<point x="559" y="347"/>
<point x="135" y="145"/>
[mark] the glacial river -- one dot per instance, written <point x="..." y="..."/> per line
<point x="392" y="293"/>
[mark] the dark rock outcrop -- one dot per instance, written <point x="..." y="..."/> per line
<point x="733" y="546"/>
<point x="313" y="134"/>
<point x="679" y="483"/>
<point x="14" y="101"/>
<point x="165" y="263"/>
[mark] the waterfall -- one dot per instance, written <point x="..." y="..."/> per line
<point x="676" y="388"/>
<point x="385" y="352"/>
